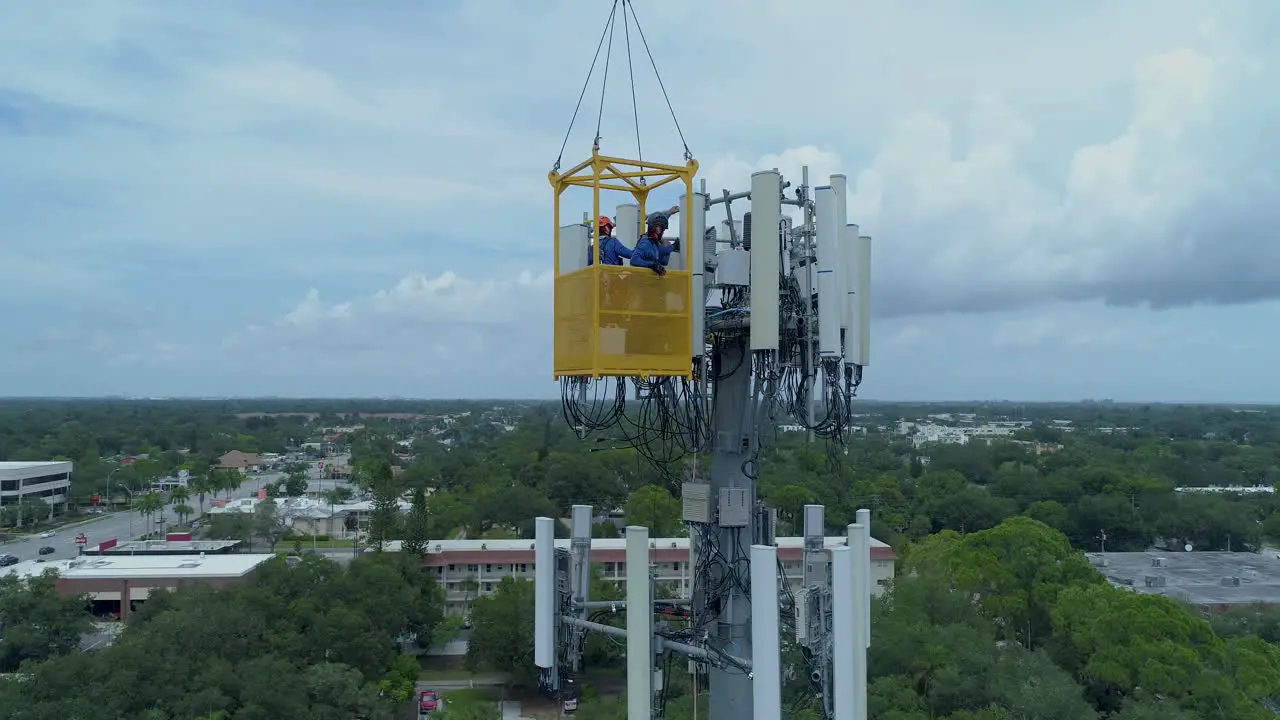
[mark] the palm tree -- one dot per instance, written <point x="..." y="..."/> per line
<point x="202" y="486"/>
<point x="231" y="481"/>
<point x="179" y="495"/>
<point x="183" y="511"/>
<point x="149" y="505"/>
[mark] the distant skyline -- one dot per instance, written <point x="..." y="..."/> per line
<point x="310" y="199"/>
<point x="873" y="401"/>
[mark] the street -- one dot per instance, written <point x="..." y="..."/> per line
<point x="511" y="710"/>
<point x="131" y="525"/>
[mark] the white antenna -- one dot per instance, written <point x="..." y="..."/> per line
<point x="544" y="593"/>
<point x="639" y="625"/>
<point x="766" y="643"/>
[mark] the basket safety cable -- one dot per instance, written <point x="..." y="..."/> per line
<point x="607" y="34"/>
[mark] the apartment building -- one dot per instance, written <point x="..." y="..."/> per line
<point x="468" y="569"/>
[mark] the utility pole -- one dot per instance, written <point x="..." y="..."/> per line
<point x="734" y="439"/>
<point x="770" y="347"/>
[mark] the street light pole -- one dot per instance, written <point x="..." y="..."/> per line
<point x="130" y="493"/>
<point x="108" y="484"/>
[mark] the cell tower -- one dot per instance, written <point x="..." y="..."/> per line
<point x="759" y="319"/>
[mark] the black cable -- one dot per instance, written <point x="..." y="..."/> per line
<point x="608" y="55"/>
<point x="635" y="107"/>
<point x="658" y="75"/>
<point x="585" y="84"/>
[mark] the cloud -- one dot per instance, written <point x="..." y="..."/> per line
<point x="263" y="197"/>
<point x="485" y="338"/>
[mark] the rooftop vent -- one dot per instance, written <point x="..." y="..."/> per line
<point x="189" y="563"/>
<point x="1157" y="562"/>
<point x="1232" y="581"/>
<point x="484" y="546"/>
<point x="1155" y="581"/>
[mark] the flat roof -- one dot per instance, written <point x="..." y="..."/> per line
<point x="188" y="547"/>
<point x="131" y="567"/>
<point x="14" y="466"/>
<point x="1198" y="578"/>
<point x="681" y="543"/>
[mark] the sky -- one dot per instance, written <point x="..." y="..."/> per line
<point x="327" y="198"/>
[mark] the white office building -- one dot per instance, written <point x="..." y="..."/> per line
<point x="47" y="481"/>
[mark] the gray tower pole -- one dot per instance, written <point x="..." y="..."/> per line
<point x="811" y="318"/>
<point x="733" y="436"/>
<point x="580" y="577"/>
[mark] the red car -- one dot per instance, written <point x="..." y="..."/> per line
<point x="428" y="700"/>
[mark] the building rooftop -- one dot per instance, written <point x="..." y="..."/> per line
<point x="601" y="544"/>
<point x="1198" y="578"/>
<point x="131" y="567"/>
<point x="301" y="507"/>
<point x="31" y="465"/>
<point x="172" y="547"/>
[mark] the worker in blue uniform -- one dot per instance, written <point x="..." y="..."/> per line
<point x="612" y="251"/>
<point x="652" y="251"/>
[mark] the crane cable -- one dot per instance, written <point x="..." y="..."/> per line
<point x="654" y="64"/>
<point x="607" y="33"/>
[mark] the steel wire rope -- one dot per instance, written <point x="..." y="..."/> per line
<point x="608" y="56"/>
<point x="586" y="84"/>
<point x="635" y="106"/>
<point x="661" y="86"/>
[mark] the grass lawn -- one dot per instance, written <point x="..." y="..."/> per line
<point x="448" y="674"/>
<point x="427" y="674"/>
<point x="470" y="696"/>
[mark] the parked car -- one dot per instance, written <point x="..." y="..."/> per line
<point x="47" y="550"/>
<point x="428" y="701"/>
<point x="7" y="560"/>
<point x="47" y="534"/>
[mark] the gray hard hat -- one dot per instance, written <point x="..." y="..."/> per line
<point x="657" y="219"/>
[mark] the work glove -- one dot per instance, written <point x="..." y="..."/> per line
<point x="660" y="269"/>
<point x="675" y="245"/>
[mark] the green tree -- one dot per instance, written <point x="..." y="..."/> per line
<point x="417" y="526"/>
<point x="202" y="486"/>
<point x="384" y="521"/>
<point x="653" y="507"/>
<point x="1016" y="569"/>
<point x="502" y="631"/>
<point x="149" y="505"/>
<point x="295" y="485"/>
<point x="183" y="512"/>
<point x="230" y="526"/>
<point x="35" y="622"/>
<point x="267" y="523"/>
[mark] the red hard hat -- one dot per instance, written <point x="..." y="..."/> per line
<point x="606" y="222"/>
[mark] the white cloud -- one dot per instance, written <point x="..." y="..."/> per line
<point x="312" y="312"/>
<point x="1002" y="160"/>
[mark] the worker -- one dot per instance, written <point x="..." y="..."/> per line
<point x="612" y="251"/>
<point x="652" y="251"/>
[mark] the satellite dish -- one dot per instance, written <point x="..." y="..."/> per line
<point x="1187" y="547"/>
